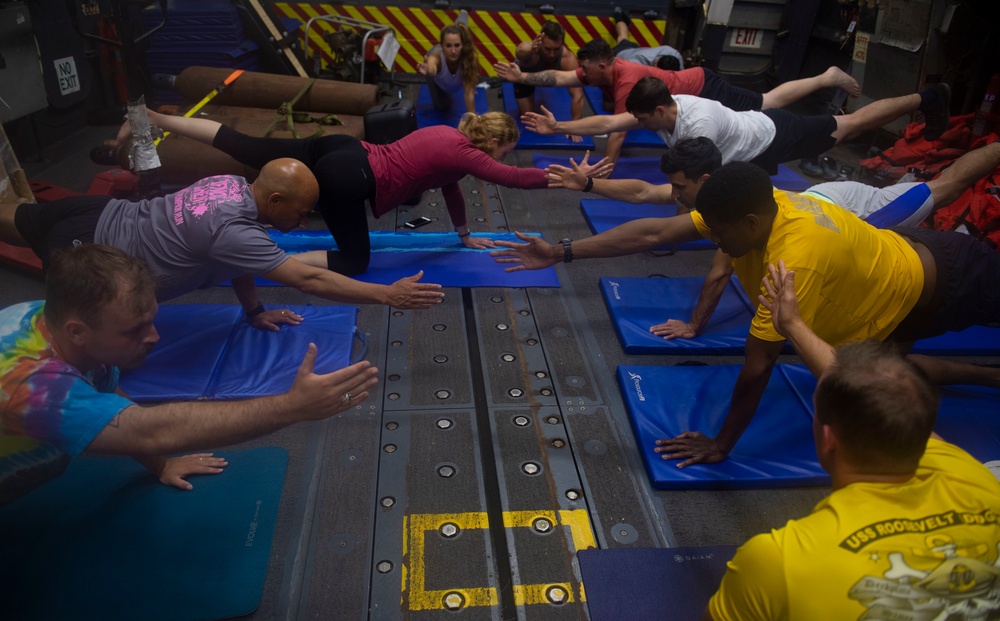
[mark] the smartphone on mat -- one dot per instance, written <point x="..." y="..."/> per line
<point x="417" y="223"/>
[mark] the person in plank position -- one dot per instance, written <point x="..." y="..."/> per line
<point x="547" y="51"/>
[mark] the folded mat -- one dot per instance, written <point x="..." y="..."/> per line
<point x="604" y="214"/>
<point x="211" y="351"/>
<point x="442" y="256"/>
<point x="428" y="116"/>
<point x="557" y="101"/>
<point x="678" y="580"/>
<point x="635" y="137"/>
<point x="635" y="304"/>
<point x="777" y="448"/>
<point x="106" y="540"/>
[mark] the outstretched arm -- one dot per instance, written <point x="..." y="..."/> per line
<point x="628" y="190"/>
<point x="512" y="73"/>
<point x="708" y="300"/>
<point x="693" y="447"/>
<point x="546" y="124"/>
<point x="174" y="427"/>
<point x="629" y="238"/>
<point x="406" y="293"/>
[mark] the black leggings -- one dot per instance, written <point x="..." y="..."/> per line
<point x="346" y="182"/>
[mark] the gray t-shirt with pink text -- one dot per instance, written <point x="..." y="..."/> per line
<point x="198" y="237"/>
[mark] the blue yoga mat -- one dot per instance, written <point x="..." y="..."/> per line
<point x="428" y="116"/>
<point x="603" y="214"/>
<point x="633" y="138"/>
<point x="649" y="582"/>
<point x="211" y="351"/>
<point x="557" y="101"/>
<point x="635" y="304"/>
<point x="106" y="540"/>
<point x="777" y="448"/>
<point x="648" y="169"/>
<point x="442" y="256"/>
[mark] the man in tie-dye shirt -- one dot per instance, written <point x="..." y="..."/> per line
<point x="59" y="395"/>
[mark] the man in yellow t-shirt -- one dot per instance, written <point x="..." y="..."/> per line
<point x="912" y="528"/>
<point x="857" y="282"/>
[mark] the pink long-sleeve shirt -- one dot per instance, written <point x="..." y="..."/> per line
<point x="438" y="157"/>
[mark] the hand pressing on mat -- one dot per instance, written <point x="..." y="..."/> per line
<point x="271" y="320"/>
<point x="175" y="469"/>
<point x="409" y="294"/>
<point x="693" y="447"/>
<point x="674" y="329"/>
<point x="478" y="243"/>
<point x="534" y="254"/>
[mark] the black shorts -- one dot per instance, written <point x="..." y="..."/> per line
<point x="624" y="45"/>
<point x="60" y="224"/>
<point x="796" y="137"/>
<point x="733" y="97"/>
<point x="966" y="292"/>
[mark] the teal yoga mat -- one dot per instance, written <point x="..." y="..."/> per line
<point x="108" y="541"/>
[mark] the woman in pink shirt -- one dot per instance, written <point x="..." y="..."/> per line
<point x="353" y="173"/>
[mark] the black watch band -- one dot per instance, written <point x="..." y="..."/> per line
<point x="256" y="311"/>
<point x="567" y="245"/>
<point x="590" y="184"/>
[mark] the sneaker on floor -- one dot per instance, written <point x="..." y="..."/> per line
<point x="830" y="166"/>
<point x="810" y="166"/>
<point x="619" y="15"/>
<point x="937" y="113"/>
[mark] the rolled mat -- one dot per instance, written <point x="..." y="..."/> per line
<point x="268" y="90"/>
<point x="679" y="580"/>
<point x="210" y="351"/>
<point x="442" y="257"/>
<point x="557" y="101"/>
<point x="106" y="540"/>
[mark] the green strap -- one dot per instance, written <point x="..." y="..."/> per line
<point x="286" y="112"/>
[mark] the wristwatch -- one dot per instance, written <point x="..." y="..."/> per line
<point x="567" y="245"/>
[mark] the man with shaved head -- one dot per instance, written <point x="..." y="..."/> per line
<point x="205" y="234"/>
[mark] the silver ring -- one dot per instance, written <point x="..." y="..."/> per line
<point x="346" y="397"/>
<point x="282" y="312"/>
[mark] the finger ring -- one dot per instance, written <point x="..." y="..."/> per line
<point x="201" y="459"/>
<point x="346" y="397"/>
<point x="282" y="312"/>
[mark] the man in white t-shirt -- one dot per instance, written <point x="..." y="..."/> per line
<point x="765" y="138"/>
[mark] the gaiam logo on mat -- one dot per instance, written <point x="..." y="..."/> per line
<point x="636" y="378"/>
<point x="614" y="289"/>
<point x="679" y="558"/>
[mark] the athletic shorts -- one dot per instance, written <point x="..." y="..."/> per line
<point x="796" y="137"/>
<point x="67" y="222"/>
<point x="966" y="292"/>
<point x="624" y="45"/>
<point x="733" y="97"/>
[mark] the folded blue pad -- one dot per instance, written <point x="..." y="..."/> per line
<point x="106" y="540"/>
<point x="442" y="256"/>
<point x="635" y="137"/>
<point x="648" y="169"/>
<point x="604" y="214"/>
<point x="428" y="116"/>
<point x="635" y="304"/>
<point x="557" y="101"/>
<point x="211" y="351"/>
<point x="777" y="448"/>
<point x="678" y="580"/>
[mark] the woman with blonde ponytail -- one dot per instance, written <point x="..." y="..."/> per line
<point x="353" y="173"/>
<point x="452" y="65"/>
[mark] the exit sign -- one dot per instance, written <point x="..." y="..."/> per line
<point x="746" y="38"/>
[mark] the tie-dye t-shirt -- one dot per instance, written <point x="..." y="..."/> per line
<point x="49" y="411"/>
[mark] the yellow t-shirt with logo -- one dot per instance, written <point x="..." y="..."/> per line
<point x="854" y="281"/>
<point x="879" y="551"/>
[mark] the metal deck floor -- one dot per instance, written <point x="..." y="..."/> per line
<point x="495" y="445"/>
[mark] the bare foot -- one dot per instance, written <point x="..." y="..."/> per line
<point x="836" y="77"/>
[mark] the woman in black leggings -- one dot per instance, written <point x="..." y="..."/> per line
<point x="353" y="173"/>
